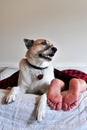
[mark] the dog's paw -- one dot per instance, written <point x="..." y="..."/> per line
<point x="40" y="113"/>
<point x="10" y="98"/>
<point x="12" y="95"/>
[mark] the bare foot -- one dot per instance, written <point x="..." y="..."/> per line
<point x="70" y="100"/>
<point x="54" y="97"/>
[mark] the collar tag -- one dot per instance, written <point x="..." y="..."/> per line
<point x="40" y="76"/>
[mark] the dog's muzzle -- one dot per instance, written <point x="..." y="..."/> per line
<point x="48" y="56"/>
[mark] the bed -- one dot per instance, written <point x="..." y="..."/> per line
<point x="20" y="115"/>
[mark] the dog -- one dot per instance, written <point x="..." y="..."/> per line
<point x="36" y="73"/>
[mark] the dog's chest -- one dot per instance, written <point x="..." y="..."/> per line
<point x="37" y="74"/>
<point x="39" y="80"/>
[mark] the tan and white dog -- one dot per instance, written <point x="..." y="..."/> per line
<point x="36" y="73"/>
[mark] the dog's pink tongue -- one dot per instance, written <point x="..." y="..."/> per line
<point x="39" y="77"/>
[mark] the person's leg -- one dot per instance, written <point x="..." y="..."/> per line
<point x="71" y="98"/>
<point x="54" y="97"/>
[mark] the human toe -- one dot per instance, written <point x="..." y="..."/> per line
<point x="65" y="106"/>
<point x="59" y="106"/>
<point x="51" y="104"/>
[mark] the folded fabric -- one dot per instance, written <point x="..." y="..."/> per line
<point x="10" y="81"/>
<point x="68" y="74"/>
<point x="7" y="72"/>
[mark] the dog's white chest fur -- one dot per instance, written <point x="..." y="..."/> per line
<point x="29" y="78"/>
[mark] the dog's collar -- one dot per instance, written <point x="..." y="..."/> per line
<point x="36" y="67"/>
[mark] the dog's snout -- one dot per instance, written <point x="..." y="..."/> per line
<point x="54" y="49"/>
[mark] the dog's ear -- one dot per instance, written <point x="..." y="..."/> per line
<point x="28" y="43"/>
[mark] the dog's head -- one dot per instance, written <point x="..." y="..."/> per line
<point x="40" y="51"/>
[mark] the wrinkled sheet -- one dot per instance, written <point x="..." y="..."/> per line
<point x="20" y="115"/>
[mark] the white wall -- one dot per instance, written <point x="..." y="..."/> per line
<point x="64" y="22"/>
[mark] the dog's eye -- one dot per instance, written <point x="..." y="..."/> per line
<point x="43" y="43"/>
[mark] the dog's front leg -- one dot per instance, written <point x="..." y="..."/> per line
<point x="41" y="108"/>
<point x="13" y="94"/>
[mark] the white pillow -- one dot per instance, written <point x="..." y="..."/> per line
<point x="7" y="72"/>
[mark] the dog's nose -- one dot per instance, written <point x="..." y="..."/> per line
<point x="54" y="49"/>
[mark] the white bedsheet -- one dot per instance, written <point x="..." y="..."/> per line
<point x="20" y="115"/>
